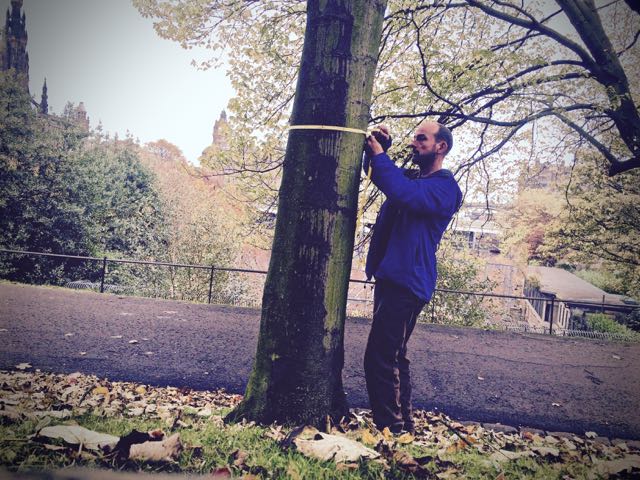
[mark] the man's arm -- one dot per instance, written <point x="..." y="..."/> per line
<point x="436" y="196"/>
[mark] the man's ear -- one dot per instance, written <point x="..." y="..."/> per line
<point x="441" y="146"/>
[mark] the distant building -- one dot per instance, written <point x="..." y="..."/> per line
<point x="14" y="57"/>
<point x="14" y="53"/>
<point x="565" y="297"/>
<point x="221" y="132"/>
<point x="475" y="228"/>
<point x="80" y="116"/>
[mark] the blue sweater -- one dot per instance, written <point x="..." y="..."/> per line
<point x="410" y="225"/>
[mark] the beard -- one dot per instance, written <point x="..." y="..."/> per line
<point x="426" y="161"/>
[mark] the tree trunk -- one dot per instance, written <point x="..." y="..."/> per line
<point x="297" y="372"/>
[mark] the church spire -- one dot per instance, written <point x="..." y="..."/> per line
<point x="44" y="100"/>
<point x="15" y="54"/>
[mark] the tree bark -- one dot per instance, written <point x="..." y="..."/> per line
<point x="297" y="372"/>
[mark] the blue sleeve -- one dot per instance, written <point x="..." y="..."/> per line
<point x="437" y="195"/>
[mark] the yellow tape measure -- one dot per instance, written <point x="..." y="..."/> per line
<point x="327" y="127"/>
<point x="341" y="129"/>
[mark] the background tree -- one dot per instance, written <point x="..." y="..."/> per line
<point x="527" y="224"/>
<point x="62" y="192"/>
<point x="202" y="226"/>
<point x="600" y="225"/>
<point x="506" y="75"/>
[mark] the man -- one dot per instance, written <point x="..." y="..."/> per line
<point x="402" y="258"/>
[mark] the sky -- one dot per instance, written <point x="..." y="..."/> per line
<point x="103" y="53"/>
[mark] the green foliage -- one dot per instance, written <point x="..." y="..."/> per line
<point x="604" y="279"/>
<point x="600" y="225"/>
<point x="599" y="322"/>
<point x="38" y="208"/>
<point x="460" y="271"/>
<point x="64" y="193"/>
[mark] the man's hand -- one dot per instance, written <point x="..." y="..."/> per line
<point x="372" y="147"/>
<point x="379" y="141"/>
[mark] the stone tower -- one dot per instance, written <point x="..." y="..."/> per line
<point x="15" y="54"/>
<point x="81" y="117"/>
<point x="221" y="133"/>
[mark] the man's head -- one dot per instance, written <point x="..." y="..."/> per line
<point x="431" y="142"/>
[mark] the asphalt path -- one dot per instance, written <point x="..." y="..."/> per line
<point x="539" y="381"/>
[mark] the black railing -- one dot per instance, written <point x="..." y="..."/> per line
<point x="447" y="306"/>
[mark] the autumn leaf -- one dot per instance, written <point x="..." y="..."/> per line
<point x="100" y="391"/>
<point x="167" y="450"/>
<point x="368" y="438"/>
<point x="77" y="435"/>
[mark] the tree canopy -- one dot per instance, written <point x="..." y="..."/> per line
<point x="540" y="77"/>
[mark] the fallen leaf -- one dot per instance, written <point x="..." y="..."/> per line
<point x="480" y="378"/>
<point x="100" y="391"/>
<point x="556" y="404"/>
<point x="221" y="473"/>
<point x="546" y="451"/>
<point x="167" y="450"/>
<point x="369" y="438"/>
<point x="69" y="334"/>
<point x="334" y="447"/>
<point x="590" y="434"/>
<point x="77" y="435"/>
<point x="82" y="354"/>
<point x="133" y="342"/>
<point x="506" y="455"/>
<point x="141" y="390"/>
<point x="386" y="433"/>
<point x="456" y="447"/>
<point x="3" y="330"/>
<point x="405" y="438"/>
<point x="148" y="353"/>
<point x="23" y="366"/>
<point x="614" y="467"/>
<point x="53" y="448"/>
<point x="617" y="357"/>
<point x="116" y="336"/>
<point x="240" y="458"/>
<point x="54" y="413"/>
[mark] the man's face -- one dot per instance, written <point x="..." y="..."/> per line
<point x="424" y="145"/>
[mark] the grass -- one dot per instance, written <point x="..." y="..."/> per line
<point x="441" y="448"/>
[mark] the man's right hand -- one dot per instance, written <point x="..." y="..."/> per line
<point x="383" y="137"/>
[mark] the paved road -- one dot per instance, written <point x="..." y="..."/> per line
<point x="556" y="384"/>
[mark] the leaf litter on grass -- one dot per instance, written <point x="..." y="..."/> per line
<point x="438" y="449"/>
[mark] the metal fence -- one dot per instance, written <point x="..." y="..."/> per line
<point x="243" y="287"/>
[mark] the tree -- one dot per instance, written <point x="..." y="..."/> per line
<point x="527" y="224"/>
<point x="297" y="373"/>
<point x="63" y="192"/>
<point x="201" y="225"/>
<point x="600" y="225"/>
<point x="38" y="210"/>
<point x="492" y="69"/>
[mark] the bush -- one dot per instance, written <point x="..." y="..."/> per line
<point x="599" y="322"/>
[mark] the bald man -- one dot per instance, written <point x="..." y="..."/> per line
<point x="402" y="258"/>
